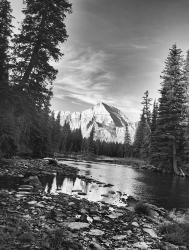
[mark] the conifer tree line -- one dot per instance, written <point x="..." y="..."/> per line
<point x="27" y="125"/>
<point x="26" y="76"/>
<point x="162" y="136"/>
<point x="72" y="141"/>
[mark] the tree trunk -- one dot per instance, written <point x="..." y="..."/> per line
<point x="34" y="55"/>
<point x="175" y="167"/>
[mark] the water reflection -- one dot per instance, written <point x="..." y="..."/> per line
<point x="81" y="188"/>
<point x="160" y="189"/>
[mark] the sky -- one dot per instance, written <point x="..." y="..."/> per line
<point x="116" y="51"/>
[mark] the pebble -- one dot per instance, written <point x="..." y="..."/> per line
<point x="119" y="237"/>
<point x="78" y="225"/>
<point x="135" y="224"/>
<point x="150" y="232"/>
<point x="96" y="232"/>
<point x="141" y="245"/>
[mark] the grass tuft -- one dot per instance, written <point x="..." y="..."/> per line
<point x="175" y="233"/>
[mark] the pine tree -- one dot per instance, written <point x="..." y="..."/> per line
<point x="7" y="121"/>
<point x="127" y="143"/>
<point x="142" y="141"/>
<point x="35" y="47"/>
<point x="65" y="139"/>
<point x="154" y="116"/>
<point x="91" y="145"/>
<point x="146" y="106"/>
<point x="43" y="29"/>
<point x="5" y="35"/>
<point x="139" y="137"/>
<point x="168" y="150"/>
<point x="56" y="133"/>
<point x="186" y="148"/>
<point x="153" y="128"/>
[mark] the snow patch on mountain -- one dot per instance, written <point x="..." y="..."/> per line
<point x="109" y="122"/>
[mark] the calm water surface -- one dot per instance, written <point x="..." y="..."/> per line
<point x="160" y="189"/>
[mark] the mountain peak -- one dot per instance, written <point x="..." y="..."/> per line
<point x="109" y="122"/>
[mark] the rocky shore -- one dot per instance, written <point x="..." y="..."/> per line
<point x="32" y="219"/>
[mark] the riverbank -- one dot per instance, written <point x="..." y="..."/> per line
<point x="135" y="163"/>
<point x="36" y="220"/>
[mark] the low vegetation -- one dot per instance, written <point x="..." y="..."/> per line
<point x="176" y="233"/>
<point x="142" y="208"/>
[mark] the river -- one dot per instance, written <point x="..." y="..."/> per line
<point x="159" y="189"/>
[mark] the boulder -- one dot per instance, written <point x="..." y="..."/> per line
<point x="78" y="225"/>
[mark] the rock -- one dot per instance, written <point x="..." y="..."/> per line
<point x="71" y="203"/>
<point x="131" y="209"/>
<point x="119" y="237"/>
<point x="96" y="218"/>
<point x="96" y="232"/>
<point x="25" y="188"/>
<point x="135" y="224"/>
<point x="104" y="195"/>
<point x="78" y="225"/>
<point x="111" y="192"/>
<point x="108" y="185"/>
<point x="22" y="194"/>
<point x="76" y="191"/>
<point x="83" y="218"/>
<point x="39" y="204"/>
<point x="150" y="232"/>
<point x="83" y="211"/>
<point x="141" y="245"/>
<point x="129" y="232"/>
<point x="51" y="160"/>
<point x="96" y="246"/>
<point x="35" y="182"/>
<point x="114" y="215"/>
<point x="32" y="202"/>
<point x="89" y="219"/>
<point x="82" y="193"/>
<point x="169" y="246"/>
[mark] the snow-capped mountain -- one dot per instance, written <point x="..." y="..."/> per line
<point x="109" y="122"/>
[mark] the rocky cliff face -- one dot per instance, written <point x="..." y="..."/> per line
<point x="109" y="122"/>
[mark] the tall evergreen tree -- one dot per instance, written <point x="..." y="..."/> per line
<point x="35" y="46"/>
<point x="65" y="139"/>
<point x="5" y="35"/>
<point x="91" y="145"/>
<point x="168" y="150"/>
<point x="142" y="141"/>
<point x="43" y="29"/>
<point x="186" y="149"/>
<point x="139" y="137"/>
<point x="127" y="143"/>
<point x="154" y="116"/>
<point x="146" y="106"/>
<point x="7" y="122"/>
<point x="153" y="128"/>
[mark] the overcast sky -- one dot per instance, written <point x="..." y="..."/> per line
<point x="116" y="50"/>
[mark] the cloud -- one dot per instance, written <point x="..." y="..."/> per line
<point x="85" y="78"/>
<point x="138" y="46"/>
<point x="83" y="75"/>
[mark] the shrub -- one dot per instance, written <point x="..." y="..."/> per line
<point x="60" y="239"/>
<point x="176" y="233"/>
<point x="142" y="208"/>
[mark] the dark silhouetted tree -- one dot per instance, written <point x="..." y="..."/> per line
<point x="168" y="150"/>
